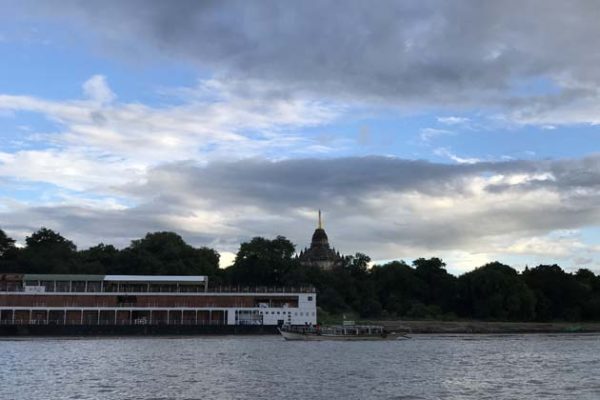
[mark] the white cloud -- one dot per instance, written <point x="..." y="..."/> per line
<point x="426" y="134"/>
<point x="74" y="169"/>
<point x="444" y="152"/>
<point x="524" y="60"/>
<point x="102" y="143"/>
<point x="96" y="88"/>
<point x="452" y="120"/>
<point x="386" y="207"/>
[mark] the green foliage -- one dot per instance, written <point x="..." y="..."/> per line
<point x="100" y="259"/>
<point x="423" y="290"/>
<point x="561" y="295"/>
<point x="166" y="253"/>
<point x="262" y="262"/>
<point x="397" y="286"/>
<point x="438" y="286"/>
<point x="47" y="238"/>
<point x="47" y="252"/>
<point x="159" y="253"/>
<point x="590" y="301"/>
<point x="495" y="291"/>
<point x="8" y="253"/>
<point x="7" y="245"/>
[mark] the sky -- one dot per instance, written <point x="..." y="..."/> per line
<point x="464" y="130"/>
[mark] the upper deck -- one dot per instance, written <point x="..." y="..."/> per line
<point x="129" y="284"/>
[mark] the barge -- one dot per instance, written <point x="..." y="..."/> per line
<point x="346" y="332"/>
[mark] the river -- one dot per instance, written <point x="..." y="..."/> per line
<point x="266" y="367"/>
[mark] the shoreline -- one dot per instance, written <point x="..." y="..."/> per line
<point x="411" y="327"/>
<point x="450" y="327"/>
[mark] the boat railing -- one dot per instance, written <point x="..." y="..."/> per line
<point x="145" y="290"/>
<point x="335" y="329"/>
<point x="95" y="321"/>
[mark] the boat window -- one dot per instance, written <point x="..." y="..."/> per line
<point x="310" y="298"/>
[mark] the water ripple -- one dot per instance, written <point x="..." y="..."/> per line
<point x="424" y="368"/>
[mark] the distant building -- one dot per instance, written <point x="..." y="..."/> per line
<point x="319" y="253"/>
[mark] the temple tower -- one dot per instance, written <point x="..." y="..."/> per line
<point x="320" y="253"/>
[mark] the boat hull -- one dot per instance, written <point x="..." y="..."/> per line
<point x="316" y="337"/>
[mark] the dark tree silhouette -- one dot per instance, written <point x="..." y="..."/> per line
<point x="396" y="290"/>
<point x="48" y="252"/>
<point x="7" y="244"/>
<point x="262" y="262"/>
<point x="495" y="291"/>
<point x="166" y="253"/>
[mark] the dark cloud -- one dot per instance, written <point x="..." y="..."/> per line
<point x="88" y="226"/>
<point x="386" y="207"/>
<point x="297" y="182"/>
<point x="429" y="51"/>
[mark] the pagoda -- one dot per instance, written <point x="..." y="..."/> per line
<point x="319" y="253"/>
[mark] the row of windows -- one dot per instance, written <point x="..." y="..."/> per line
<point x="289" y="312"/>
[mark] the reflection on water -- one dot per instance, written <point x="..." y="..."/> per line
<point x="425" y="367"/>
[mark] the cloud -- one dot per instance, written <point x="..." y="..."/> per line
<point x="229" y="159"/>
<point x="453" y="120"/>
<point x="67" y="168"/>
<point x="427" y="134"/>
<point x="386" y="207"/>
<point x="444" y="152"/>
<point x="523" y="59"/>
<point x="99" y="141"/>
<point x="96" y="88"/>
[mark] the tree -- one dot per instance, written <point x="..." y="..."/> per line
<point x="48" y="252"/>
<point x="45" y="237"/>
<point x="559" y="295"/>
<point x="425" y="290"/>
<point x="262" y="262"/>
<point x="397" y="285"/>
<point x="439" y="286"/>
<point x="357" y="264"/>
<point x="166" y="253"/>
<point x="495" y="291"/>
<point x="591" y="303"/>
<point x="7" y="244"/>
<point x="8" y="253"/>
<point x="99" y="259"/>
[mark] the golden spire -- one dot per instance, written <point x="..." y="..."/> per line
<point x="320" y="223"/>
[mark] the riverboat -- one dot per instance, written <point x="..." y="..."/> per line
<point x="345" y="332"/>
<point x="49" y="304"/>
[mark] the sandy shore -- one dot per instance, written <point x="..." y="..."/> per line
<point x="489" y="327"/>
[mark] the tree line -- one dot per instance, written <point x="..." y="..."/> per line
<point x="419" y="290"/>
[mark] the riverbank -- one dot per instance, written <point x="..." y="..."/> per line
<point x="450" y="327"/>
<point x="430" y="327"/>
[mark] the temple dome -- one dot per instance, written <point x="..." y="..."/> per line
<point x="320" y="236"/>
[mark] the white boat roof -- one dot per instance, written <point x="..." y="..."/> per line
<point x="156" y="278"/>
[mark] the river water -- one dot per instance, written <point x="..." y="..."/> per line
<point x="423" y="367"/>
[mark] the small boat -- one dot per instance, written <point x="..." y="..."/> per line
<point x="338" y="332"/>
